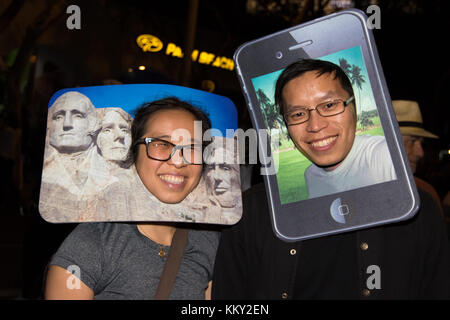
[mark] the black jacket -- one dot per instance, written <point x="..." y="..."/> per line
<point x="412" y="257"/>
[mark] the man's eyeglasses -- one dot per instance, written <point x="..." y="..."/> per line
<point x="326" y="109"/>
<point x="162" y="150"/>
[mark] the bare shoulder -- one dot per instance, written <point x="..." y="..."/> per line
<point x="62" y="284"/>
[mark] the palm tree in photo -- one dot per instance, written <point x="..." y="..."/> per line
<point x="272" y="116"/>
<point x="365" y="121"/>
<point x="345" y="66"/>
<point x="357" y="79"/>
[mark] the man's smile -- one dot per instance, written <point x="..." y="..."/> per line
<point x="323" y="144"/>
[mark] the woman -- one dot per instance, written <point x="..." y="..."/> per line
<point x="125" y="261"/>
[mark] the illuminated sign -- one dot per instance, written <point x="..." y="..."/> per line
<point x="150" y="43"/>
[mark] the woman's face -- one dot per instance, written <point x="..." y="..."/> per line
<point x="172" y="180"/>
<point x="114" y="139"/>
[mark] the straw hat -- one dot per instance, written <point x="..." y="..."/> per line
<point x="410" y="119"/>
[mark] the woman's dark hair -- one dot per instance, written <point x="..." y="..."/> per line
<point x="146" y="110"/>
<point x="300" y="67"/>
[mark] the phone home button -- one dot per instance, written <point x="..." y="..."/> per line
<point x="343" y="210"/>
<point x="339" y="211"/>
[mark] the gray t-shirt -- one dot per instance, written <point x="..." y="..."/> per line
<point x="117" y="262"/>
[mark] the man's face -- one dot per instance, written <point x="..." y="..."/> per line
<point x="69" y="129"/>
<point x="413" y="147"/>
<point x="325" y="141"/>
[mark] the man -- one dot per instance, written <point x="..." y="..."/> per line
<point x="73" y="171"/>
<point x="317" y="102"/>
<point x="397" y="261"/>
<point x="410" y="122"/>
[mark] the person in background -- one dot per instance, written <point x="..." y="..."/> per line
<point x="413" y="133"/>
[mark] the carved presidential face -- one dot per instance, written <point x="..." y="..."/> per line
<point x="222" y="174"/>
<point x="72" y="123"/>
<point x="222" y="181"/>
<point x="114" y="138"/>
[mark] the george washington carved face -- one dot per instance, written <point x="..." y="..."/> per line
<point x="72" y="123"/>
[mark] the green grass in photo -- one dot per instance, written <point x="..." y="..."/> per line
<point x="375" y="128"/>
<point x="374" y="132"/>
<point x="291" y="176"/>
<point x="376" y="121"/>
<point x="286" y="144"/>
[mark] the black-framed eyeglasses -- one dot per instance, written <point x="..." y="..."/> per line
<point x="326" y="109"/>
<point x="163" y="150"/>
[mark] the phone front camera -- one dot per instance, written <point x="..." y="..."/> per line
<point x="279" y="55"/>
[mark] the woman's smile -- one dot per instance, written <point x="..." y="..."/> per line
<point x="172" y="179"/>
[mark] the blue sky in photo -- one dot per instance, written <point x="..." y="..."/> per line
<point x="363" y="97"/>
<point x="221" y="110"/>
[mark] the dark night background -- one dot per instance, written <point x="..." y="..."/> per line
<point x="39" y="55"/>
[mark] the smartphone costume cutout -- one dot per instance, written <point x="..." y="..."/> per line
<point x="85" y="177"/>
<point x="308" y="197"/>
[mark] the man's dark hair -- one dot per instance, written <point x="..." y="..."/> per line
<point x="300" y="67"/>
<point x="146" y="110"/>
